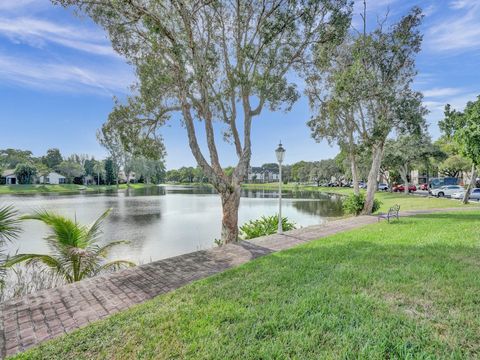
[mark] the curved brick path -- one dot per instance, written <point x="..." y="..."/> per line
<point x="29" y="320"/>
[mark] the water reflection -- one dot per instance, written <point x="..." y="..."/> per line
<point x="162" y="222"/>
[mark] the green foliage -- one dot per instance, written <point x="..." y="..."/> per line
<point x="53" y="158"/>
<point x="9" y="224"/>
<point x="354" y="204"/>
<point x="266" y="225"/>
<point x="110" y="173"/>
<point x="454" y="165"/>
<point x="25" y="173"/>
<point x="464" y="128"/>
<point x="10" y="158"/>
<point x="186" y="175"/>
<point x="74" y="250"/>
<point x="71" y="170"/>
<point x="9" y="230"/>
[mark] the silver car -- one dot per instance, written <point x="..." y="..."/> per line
<point x="475" y="194"/>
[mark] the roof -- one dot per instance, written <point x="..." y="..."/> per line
<point x="8" y="172"/>
<point x="55" y="173"/>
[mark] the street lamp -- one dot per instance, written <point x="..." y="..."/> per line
<point x="280" y="152"/>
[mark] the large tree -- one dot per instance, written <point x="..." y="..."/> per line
<point x="464" y="129"/>
<point x="52" y="159"/>
<point x="25" y="173"/>
<point x="71" y="170"/>
<point x="10" y="158"/>
<point x="454" y="165"/>
<point x="373" y="89"/>
<point x="401" y="154"/>
<point x="215" y="61"/>
<point x="334" y="110"/>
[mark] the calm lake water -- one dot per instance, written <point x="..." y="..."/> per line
<point x="164" y="221"/>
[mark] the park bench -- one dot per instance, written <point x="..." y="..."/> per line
<point x="392" y="213"/>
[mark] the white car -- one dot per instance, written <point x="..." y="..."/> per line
<point x="383" y="187"/>
<point x="458" y="195"/>
<point x="474" y="194"/>
<point x="447" y="190"/>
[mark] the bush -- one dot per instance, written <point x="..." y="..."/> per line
<point x="353" y="204"/>
<point x="266" y="225"/>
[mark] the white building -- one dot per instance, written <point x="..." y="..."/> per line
<point x="53" y="178"/>
<point x="259" y="174"/>
<point x="10" y="177"/>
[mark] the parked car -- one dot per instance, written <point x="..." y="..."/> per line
<point x="474" y="194"/>
<point x="458" y="195"/>
<point x="383" y="187"/>
<point x="447" y="190"/>
<point x="401" y="188"/>
<point x="436" y="183"/>
<point x="362" y="185"/>
<point x="423" y="186"/>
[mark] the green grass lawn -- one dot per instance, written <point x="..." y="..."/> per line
<point x="406" y="290"/>
<point x="64" y="188"/>
<point x="406" y="202"/>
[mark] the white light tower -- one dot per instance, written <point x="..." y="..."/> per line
<point x="280" y="152"/>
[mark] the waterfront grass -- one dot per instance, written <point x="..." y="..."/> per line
<point x="63" y="188"/>
<point x="408" y="289"/>
<point x="406" y="202"/>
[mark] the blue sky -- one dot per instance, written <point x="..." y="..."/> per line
<point x="58" y="75"/>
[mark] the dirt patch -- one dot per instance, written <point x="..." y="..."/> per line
<point x="414" y="307"/>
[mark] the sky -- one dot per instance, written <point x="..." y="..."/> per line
<point x="59" y="74"/>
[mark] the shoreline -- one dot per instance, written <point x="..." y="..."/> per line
<point x="65" y="189"/>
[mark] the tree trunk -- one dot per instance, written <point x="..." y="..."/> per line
<point x="353" y="163"/>
<point x="230" y="203"/>
<point x="404" y="176"/>
<point x="377" y="153"/>
<point x="471" y="185"/>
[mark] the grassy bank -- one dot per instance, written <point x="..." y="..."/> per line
<point x="64" y="188"/>
<point x="406" y="202"/>
<point x="401" y="290"/>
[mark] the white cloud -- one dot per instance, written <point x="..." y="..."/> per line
<point x="441" y="92"/>
<point x="38" y="33"/>
<point x="459" y="31"/>
<point x="106" y="79"/>
<point x="462" y="4"/>
<point x="429" y="10"/>
<point x="15" y="4"/>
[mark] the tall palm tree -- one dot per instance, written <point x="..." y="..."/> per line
<point x="74" y="252"/>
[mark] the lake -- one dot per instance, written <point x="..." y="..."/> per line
<point x="164" y="221"/>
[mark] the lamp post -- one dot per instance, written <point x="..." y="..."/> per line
<point x="280" y="152"/>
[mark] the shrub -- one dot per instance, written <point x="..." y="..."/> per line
<point x="353" y="204"/>
<point x="266" y="225"/>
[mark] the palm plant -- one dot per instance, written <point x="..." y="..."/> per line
<point x="9" y="230"/>
<point x="75" y="253"/>
<point x="266" y="225"/>
<point x="9" y="224"/>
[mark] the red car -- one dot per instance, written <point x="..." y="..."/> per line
<point x="401" y="188"/>
<point x="424" y="186"/>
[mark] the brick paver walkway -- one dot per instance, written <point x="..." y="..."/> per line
<point x="27" y="321"/>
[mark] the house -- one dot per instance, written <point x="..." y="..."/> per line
<point x="122" y="177"/>
<point x="53" y="178"/>
<point x="260" y="174"/>
<point x="89" y="180"/>
<point x="10" y="177"/>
